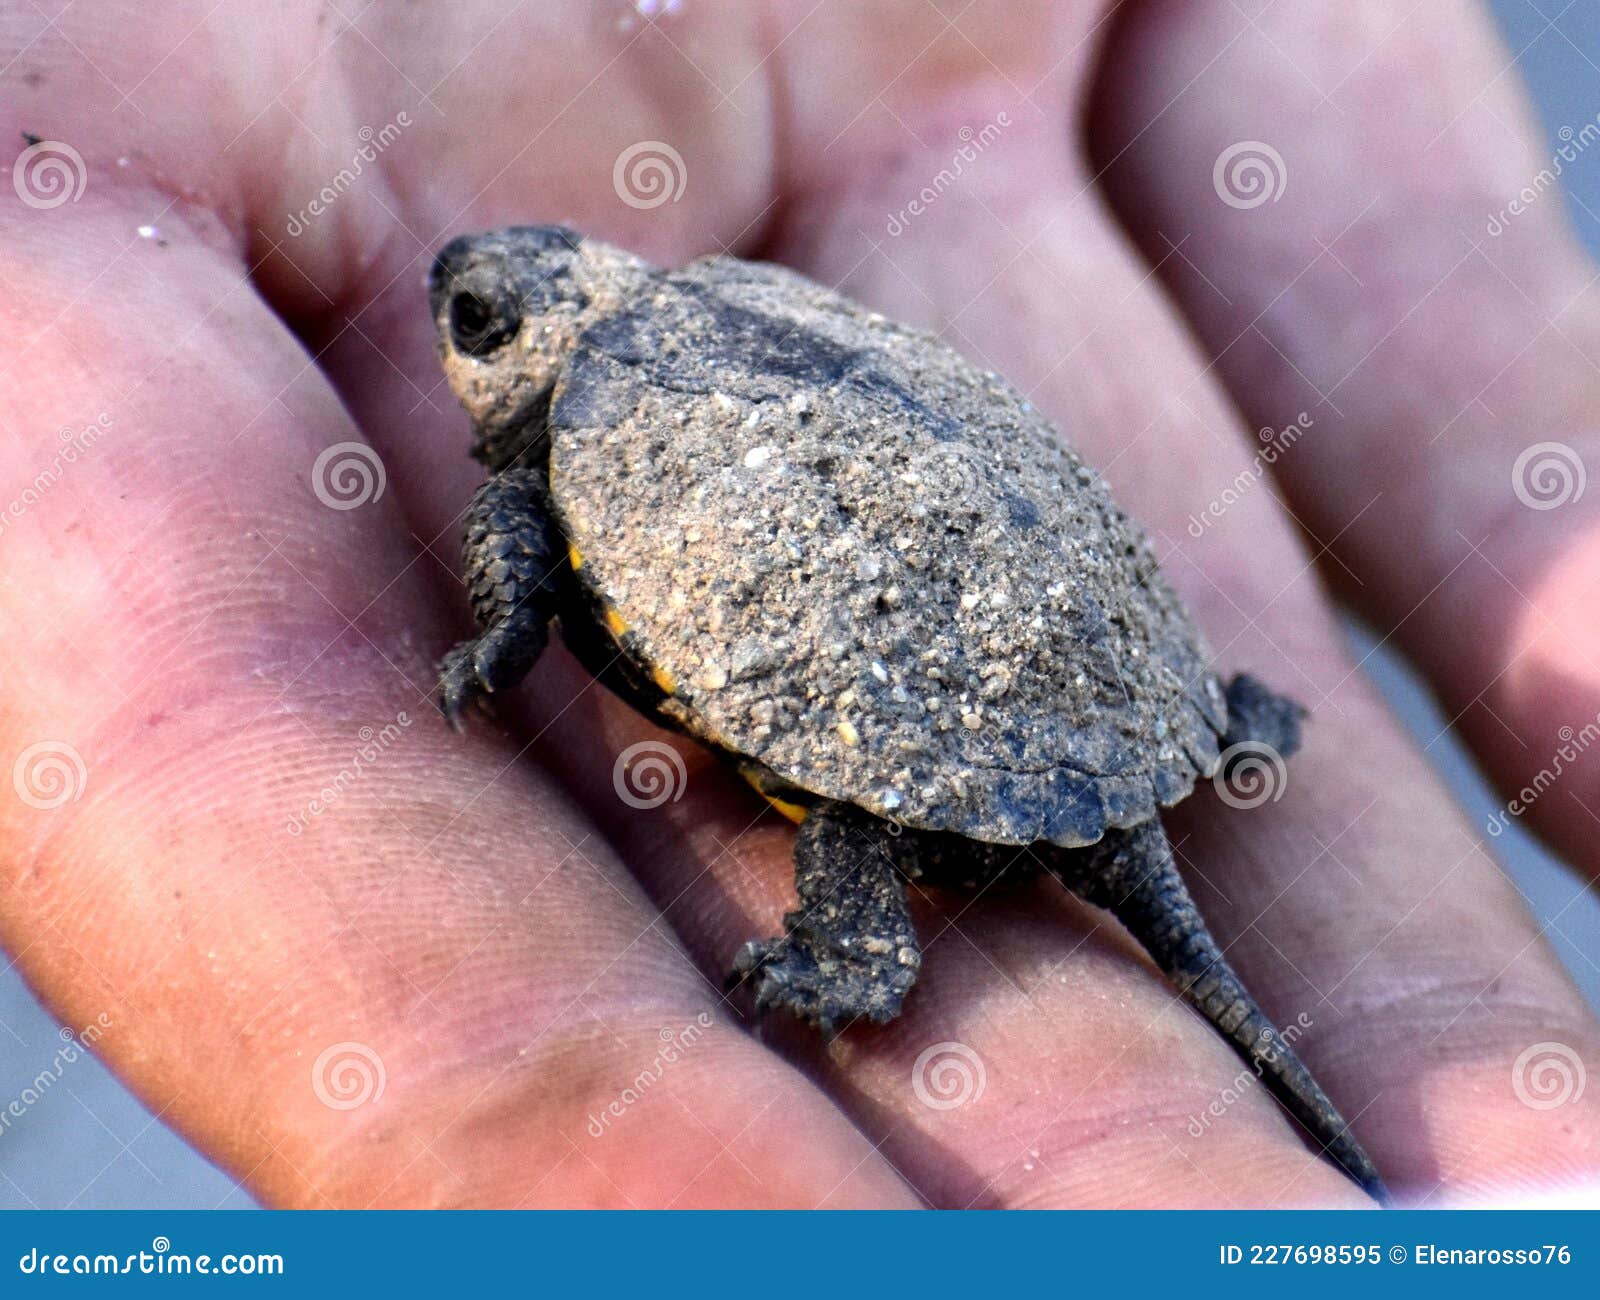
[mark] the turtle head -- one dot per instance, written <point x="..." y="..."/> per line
<point x="507" y="305"/>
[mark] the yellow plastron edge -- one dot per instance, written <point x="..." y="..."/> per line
<point x="793" y="811"/>
<point x="617" y="625"/>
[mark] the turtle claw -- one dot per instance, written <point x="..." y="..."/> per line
<point x="783" y="980"/>
<point x="459" y="685"/>
<point x="499" y="658"/>
<point x="830" y="991"/>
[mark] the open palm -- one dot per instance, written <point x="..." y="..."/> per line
<point x="360" y="959"/>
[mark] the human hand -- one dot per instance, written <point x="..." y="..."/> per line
<point x="481" y="922"/>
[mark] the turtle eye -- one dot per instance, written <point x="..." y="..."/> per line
<point x="478" y="327"/>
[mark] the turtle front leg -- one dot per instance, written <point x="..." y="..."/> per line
<point x="849" y="951"/>
<point x="511" y="560"/>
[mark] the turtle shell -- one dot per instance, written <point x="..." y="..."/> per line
<point x="873" y="569"/>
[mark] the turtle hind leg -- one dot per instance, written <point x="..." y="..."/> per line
<point x="1258" y="716"/>
<point x="1132" y="874"/>
<point x="511" y="563"/>
<point x="849" y="951"/>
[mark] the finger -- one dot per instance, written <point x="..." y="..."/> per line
<point x="357" y="959"/>
<point x="1415" y="288"/>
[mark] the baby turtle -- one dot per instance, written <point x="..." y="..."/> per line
<point x="871" y="577"/>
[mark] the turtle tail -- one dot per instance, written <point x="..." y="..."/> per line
<point x="1132" y="874"/>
